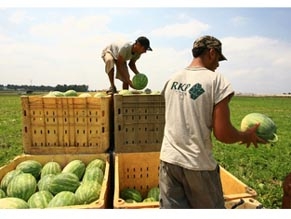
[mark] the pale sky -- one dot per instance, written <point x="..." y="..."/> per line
<point x="63" y="44"/>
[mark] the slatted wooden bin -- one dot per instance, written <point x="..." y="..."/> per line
<point x="62" y="125"/>
<point x="141" y="171"/>
<point x="64" y="159"/>
<point x="139" y="121"/>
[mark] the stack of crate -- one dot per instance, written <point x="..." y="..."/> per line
<point x="63" y="129"/>
<point x="138" y="131"/>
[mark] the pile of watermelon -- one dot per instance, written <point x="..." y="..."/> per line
<point x="33" y="185"/>
<point x="132" y="195"/>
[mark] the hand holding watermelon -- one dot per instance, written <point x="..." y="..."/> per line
<point x="267" y="128"/>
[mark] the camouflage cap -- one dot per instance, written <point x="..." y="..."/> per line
<point x="209" y="42"/>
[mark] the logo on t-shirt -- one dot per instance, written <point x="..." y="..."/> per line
<point x="195" y="91"/>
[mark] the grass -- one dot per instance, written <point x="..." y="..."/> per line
<point x="263" y="168"/>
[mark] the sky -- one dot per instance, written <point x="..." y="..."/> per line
<point x="62" y="44"/>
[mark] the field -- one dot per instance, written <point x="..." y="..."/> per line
<point x="263" y="168"/>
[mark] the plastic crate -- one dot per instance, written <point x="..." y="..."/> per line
<point x="243" y="203"/>
<point x="103" y="200"/>
<point x="61" y="125"/>
<point x="139" y="121"/>
<point x="141" y="171"/>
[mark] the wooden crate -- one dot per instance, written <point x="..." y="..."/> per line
<point x="139" y="121"/>
<point x="64" y="159"/>
<point x="61" y="125"/>
<point x="141" y="171"/>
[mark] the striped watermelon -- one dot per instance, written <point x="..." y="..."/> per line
<point x="97" y="163"/>
<point x="88" y="192"/>
<point x="93" y="174"/>
<point x="22" y="186"/>
<point x="139" y="81"/>
<point x="149" y="199"/>
<point x="64" y="198"/>
<point x="75" y="166"/>
<point x="50" y="167"/>
<point x="2" y="194"/>
<point x="13" y="203"/>
<point x="40" y="199"/>
<point x="44" y="182"/>
<point x="30" y="166"/>
<point x="8" y="177"/>
<point x="131" y="193"/>
<point x="154" y="192"/>
<point x="64" y="182"/>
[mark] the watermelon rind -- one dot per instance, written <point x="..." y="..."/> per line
<point x="2" y="194"/>
<point x="93" y="174"/>
<point x="45" y="181"/>
<point x="154" y="193"/>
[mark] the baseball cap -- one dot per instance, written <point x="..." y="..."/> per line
<point x="209" y="42"/>
<point x="144" y="42"/>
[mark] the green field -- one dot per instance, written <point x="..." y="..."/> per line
<point x="263" y="168"/>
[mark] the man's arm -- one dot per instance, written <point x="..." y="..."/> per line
<point x="132" y="66"/>
<point x="225" y="132"/>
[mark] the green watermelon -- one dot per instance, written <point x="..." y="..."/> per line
<point x="30" y="166"/>
<point x="131" y="193"/>
<point x="139" y="81"/>
<point x="97" y="163"/>
<point x="64" y="198"/>
<point x="2" y="194"/>
<point x="71" y="93"/>
<point x="64" y="182"/>
<point x="154" y="192"/>
<point x="44" y="182"/>
<point x="93" y="174"/>
<point x="50" y="167"/>
<point x="40" y="199"/>
<point x="88" y="192"/>
<point x="150" y="199"/>
<point x="22" y="186"/>
<point x="13" y="203"/>
<point x="8" y="177"/>
<point x="76" y="167"/>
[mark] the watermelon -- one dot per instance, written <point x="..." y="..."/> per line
<point x="125" y="92"/>
<point x="64" y="198"/>
<point x="131" y="193"/>
<point x="154" y="193"/>
<point x="85" y="95"/>
<point x="40" y="199"/>
<point x="267" y="129"/>
<point x="88" y="192"/>
<point x="45" y="181"/>
<point x="8" y="177"/>
<point x="64" y="182"/>
<point x="139" y="81"/>
<point x="71" y="93"/>
<point x="50" y="167"/>
<point x="76" y="167"/>
<point x="149" y="199"/>
<point x="22" y="186"/>
<point x="97" y="163"/>
<point x="2" y="194"/>
<point x="100" y="94"/>
<point x="93" y="174"/>
<point x="30" y="166"/>
<point x="13" y="203"/>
